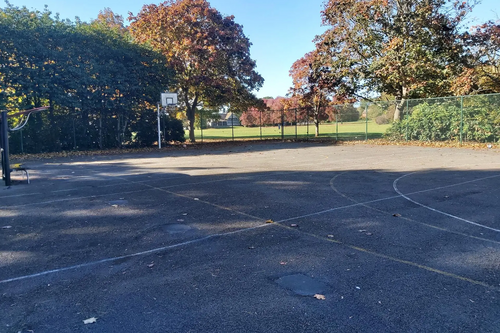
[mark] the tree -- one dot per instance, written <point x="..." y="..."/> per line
<point x="482" y="71"/>
<point x="310" y="86"/>
<point x="405" y="48"/>
<point x="93" y="77"/>
<point x="209" y="53"/>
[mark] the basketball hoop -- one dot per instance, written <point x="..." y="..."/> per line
<point x="22" y="113"/>
<point x="167" y="99"/>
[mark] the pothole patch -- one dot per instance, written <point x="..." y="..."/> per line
<point x="176" y="228"/>
<point x="301" y="284"/>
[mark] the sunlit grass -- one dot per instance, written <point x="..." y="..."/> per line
<point x="358" y="130"/>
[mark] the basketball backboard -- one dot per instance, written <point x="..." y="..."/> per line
<point x="168" y="99"/>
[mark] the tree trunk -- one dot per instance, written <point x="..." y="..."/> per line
<point x="190" y="112"/>
<point x="316" y="121"/>
<point x="191" y="118"/>
<point x="400" y="104"/>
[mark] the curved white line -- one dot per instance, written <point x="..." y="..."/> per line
<point x="395" y="186"/>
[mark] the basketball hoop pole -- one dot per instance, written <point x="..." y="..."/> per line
<point x="4" y="133"/>
<point x="159" y="129"/>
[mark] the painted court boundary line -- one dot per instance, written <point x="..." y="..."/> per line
<point x="412" y="220"/>
<point x="395" y="186"/>
<point x="142" y="253"/>
<point x="132" y="255"/>
<point x="279" y="223"/>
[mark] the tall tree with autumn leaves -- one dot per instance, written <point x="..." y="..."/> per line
<point x="209" y="53"/>
<point x="404" y="48"/>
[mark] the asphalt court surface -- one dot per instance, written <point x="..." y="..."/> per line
<point x="363" y="239"/>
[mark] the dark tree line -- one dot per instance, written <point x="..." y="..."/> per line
<point x="100" y="86"/>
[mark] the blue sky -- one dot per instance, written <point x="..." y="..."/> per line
<point x="281" y="30"/>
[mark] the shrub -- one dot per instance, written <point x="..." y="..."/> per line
<point x="440" y="122"/>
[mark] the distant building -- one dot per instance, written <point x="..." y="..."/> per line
<point x="226" y="120"/>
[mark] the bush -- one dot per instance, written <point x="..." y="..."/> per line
<point x="441" y="122"/>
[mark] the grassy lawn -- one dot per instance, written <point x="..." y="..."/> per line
<point x="347" y="130"/>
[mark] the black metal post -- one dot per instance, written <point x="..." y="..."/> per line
<point x="295" y="124"/>
<point x="261" y="125"/>
<point x="4" y="133"/>
<point x="283" y="125"/>
<point x="232" y="125"/>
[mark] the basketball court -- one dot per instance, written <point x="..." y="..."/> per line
<point x="255" y="237"/>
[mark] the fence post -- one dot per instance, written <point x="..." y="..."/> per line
<point x="260" y="125"/>
<point x="22" y="145"/>
<point x="232" y="126"/>
<point x="337" y="125"/>
<point x="201" y="125"/>
<point x="407" y="115"/>
<point x="366" y="122"/>
<point x="461" y="118"/>
<point x="295" y="124"/>
<point x="282" y="125"/>
<point x="307" y="124"/>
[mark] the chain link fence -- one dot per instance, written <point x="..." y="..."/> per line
<point x="459" y="119"/>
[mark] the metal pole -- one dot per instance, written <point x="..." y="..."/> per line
<point x="4" y="130"/>
<point x="295" y="124"/>
<point x="232" y="125"/>
<point x="282" y="125"/>
<point x="201" y="125"/>
<point x="260" y="125"/>
<point x="307" y="123"/>
<point x="461" y="118"/>
<point x="159" y="129"/>
<point x="407" y="115"/>
<point x="22" y="145"/>
<point x="366" y="122"/>
<point x="337" y="125"/>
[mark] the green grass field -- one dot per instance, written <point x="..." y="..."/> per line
<point x="358" y="130"/>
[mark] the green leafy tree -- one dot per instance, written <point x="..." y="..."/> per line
<point x="404" y="48"/>
<point x="482" y="71"/>
<point x="209" y="53"/>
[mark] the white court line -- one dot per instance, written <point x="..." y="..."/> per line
<point x="18" y="195"/>
<point x="142" y="253"/>
<point x="395" y="186"/>
<point x="149" y="188"/>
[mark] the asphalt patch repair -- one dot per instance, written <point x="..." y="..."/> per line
<point x="363" y="239"/>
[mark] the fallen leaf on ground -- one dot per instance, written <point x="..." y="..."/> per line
<point x="319" y="296"/>
<point x="90" y="320"/>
